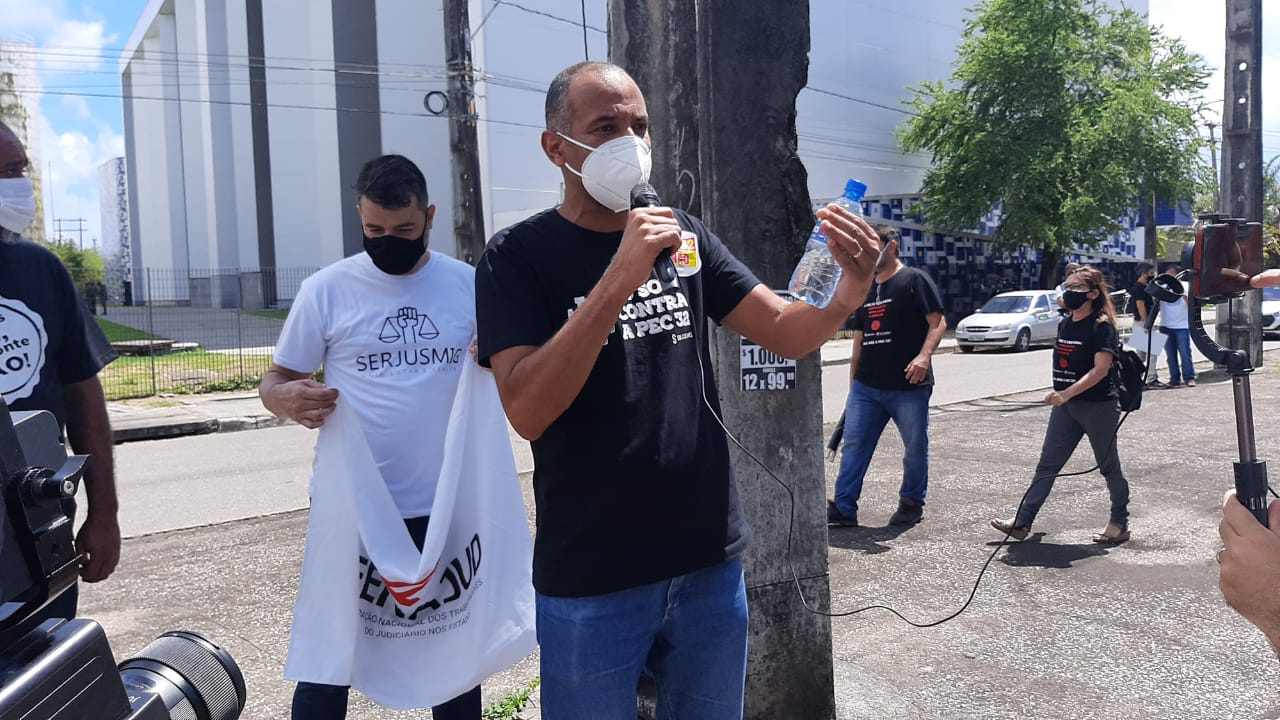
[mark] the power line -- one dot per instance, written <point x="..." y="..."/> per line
<point x="860" y="100"/>
<point x="284" y="106"/>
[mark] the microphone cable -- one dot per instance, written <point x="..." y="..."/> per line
<point x="791" y="498"/>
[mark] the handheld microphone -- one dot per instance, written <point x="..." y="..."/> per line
<point x="643" y="195"/>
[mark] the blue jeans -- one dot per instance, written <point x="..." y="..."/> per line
<point x="1177" y="344"/>
<point x="689" y="633"/>
<point x="866" y="413"/>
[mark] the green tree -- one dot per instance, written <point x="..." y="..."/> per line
<point x="1271" y="212"/>
<point x="85" y="266"/>
<point x="1063" y="112"/>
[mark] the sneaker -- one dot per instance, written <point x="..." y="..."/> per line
<point x="1191" y="383"/>
<point x="1155" y="385"/>
<point x="909" y="512"/>
<point x="1173" y="386"/>
<point x="835" y="517"/>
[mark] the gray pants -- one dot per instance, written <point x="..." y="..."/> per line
<point x="1152" y="362"/>
<point x="1067" y="424"/>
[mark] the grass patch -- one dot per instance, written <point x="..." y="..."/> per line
<point x="510" y="707"/>
<point x="270" y="314"/>
<point x="188" y="372"/>
<point x="116" y="332"/>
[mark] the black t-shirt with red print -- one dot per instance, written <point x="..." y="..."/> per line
<point x="894" y="324"/>
<point x="1078" y="343"/>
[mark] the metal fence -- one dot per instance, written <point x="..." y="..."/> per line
<point x="182" y="331"/>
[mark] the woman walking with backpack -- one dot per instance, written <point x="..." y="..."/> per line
<point x="1085" y="402"/>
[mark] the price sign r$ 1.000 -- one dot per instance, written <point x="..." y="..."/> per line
<point x="765" y="370"/>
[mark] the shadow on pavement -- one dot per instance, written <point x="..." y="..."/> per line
<point x="868" y="540"/>
<point x="1034" y="552"/>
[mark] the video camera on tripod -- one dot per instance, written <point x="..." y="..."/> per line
<point x="64" y="669"/>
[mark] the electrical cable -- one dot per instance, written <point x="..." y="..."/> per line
<point x="1000" y="544"/>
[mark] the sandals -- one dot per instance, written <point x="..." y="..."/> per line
<point x="1008" y="528"/>
<point x="1112" y="538"/>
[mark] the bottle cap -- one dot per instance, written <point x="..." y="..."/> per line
<point x="854" y="190"/>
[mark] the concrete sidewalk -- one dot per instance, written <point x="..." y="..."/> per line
<point x="1060" y="628"/>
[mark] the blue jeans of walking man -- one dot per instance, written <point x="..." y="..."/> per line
<point x="867" y="411"/>
<point x="1177" y="347"/>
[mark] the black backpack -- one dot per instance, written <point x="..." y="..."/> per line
<point x="1129" y="374"/>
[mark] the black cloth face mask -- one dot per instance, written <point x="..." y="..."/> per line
<point x="395" y="255"/>
<point x="1075" y="299"/>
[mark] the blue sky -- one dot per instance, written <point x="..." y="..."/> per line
<point x="81" y="43"/>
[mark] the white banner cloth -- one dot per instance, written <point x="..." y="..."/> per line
<point x="413" y="629"/>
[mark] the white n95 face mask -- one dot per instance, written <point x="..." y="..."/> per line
<point x="17" y="203"/>
<point x="611" y="170"/>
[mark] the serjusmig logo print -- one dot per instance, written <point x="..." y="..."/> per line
<point x="407" y="346"/>
<point x="408" y="326"/>
<point x="22" y="346"/>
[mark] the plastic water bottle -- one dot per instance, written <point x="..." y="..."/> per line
<point x="815" y="277"/>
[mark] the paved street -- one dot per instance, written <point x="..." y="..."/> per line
<point x="210" y="328"/>
<point x="1060" y="628"/>
<point x="968" y="376"/>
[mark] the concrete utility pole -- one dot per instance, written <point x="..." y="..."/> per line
<point x="468" y="204"/>
<point x="1213" y="158"/>
<point x="1151" y="241"/>
<point x="1242" y="158"/>
<point x="700" y="65"/>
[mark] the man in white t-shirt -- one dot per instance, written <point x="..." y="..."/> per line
<point x="391" y="326"/>
<point x="1175" y="324"/>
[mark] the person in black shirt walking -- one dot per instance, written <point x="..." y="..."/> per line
<point x="1085" y="402"/>
<point x="890" y="377"/>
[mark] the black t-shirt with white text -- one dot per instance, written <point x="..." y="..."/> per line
<point x="894" y="326"/>
<point x="47" y="340"/>
<point x="1073" y="355"/>
<point x="633" y="482"/>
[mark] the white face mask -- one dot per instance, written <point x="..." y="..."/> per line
<point x="613" y="169"/>
<point x="17" y="203"/>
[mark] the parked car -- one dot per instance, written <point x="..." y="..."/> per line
<point x="1270" y="311"/>
<point x="1017" y="319"/>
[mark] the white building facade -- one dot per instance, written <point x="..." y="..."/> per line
<point x="117" y="241"/>
<point x="246" y="121"/>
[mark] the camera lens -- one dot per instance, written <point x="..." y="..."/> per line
<point x="194" y="678"/>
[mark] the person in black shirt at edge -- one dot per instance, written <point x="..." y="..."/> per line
<point x="63" y="350"/>
<point x="1085" y="402"/>
<point x="603" y="367"/>
<point x="1139" y="340"/>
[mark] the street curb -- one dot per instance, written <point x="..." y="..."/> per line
<point x="193" y="427"/>
<point x="845" y="360"/>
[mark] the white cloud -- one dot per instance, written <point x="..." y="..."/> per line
<point x="72" y="142"/>
<point x="70" y="162"/>
<point x="76" y="104"/>
<point x="1201" y="25"/>
<point x="74" y="46"/>
<point x="27" y="20"/>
